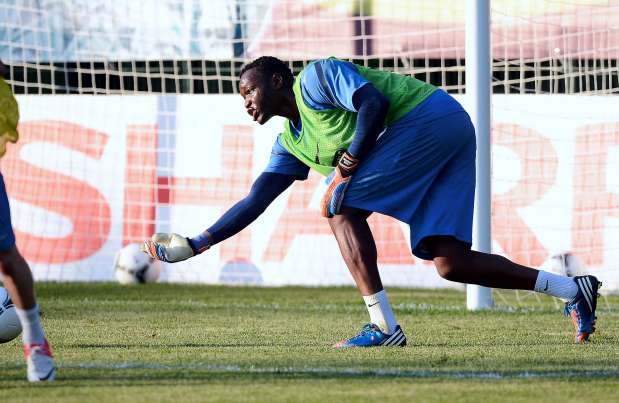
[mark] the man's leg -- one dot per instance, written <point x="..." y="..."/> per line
<point x="358" y="248"/>
<point x="456" y="262"/>
<point x="17" y="279"/>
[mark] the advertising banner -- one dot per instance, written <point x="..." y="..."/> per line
<point x="93" y="173"/>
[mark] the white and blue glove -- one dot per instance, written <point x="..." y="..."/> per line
<point x="338" y="183"/>
<point x="169" y="248"/>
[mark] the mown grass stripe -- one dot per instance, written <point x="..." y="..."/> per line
<point x="383" y="372"/>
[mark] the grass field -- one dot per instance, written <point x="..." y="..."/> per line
<point x="194" y="343"/>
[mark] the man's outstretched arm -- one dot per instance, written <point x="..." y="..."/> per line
<point x="175" y="248"/>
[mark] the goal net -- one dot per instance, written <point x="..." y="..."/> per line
<point x="131" y="123"/>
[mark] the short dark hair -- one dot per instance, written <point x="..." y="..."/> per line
<point x="268" y="65"/>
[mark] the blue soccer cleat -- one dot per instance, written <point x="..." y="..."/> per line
<point x="372" y="336"/>
<point x="582" y="307"/>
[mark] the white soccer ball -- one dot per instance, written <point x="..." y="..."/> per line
<point x="567" y="264"/>
<point x="132" y="266"/>
<point x="10" y="327"/>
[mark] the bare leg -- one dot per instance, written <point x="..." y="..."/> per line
<point x="456" y="262"/>
<point x="17" y="278"/>
<point x="19" y="283"/>
<point x="358" y="248"/>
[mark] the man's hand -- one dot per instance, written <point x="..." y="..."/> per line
<point x="168" y="248"/>
<point x="334" y="195"/>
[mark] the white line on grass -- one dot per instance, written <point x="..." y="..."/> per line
<point x="397" y="373"/>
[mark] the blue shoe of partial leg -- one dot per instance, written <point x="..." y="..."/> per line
<point x="372" y="336"/>
<point x="582" y="307"/>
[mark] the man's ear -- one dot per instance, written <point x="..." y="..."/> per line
<point x="277" y="81"/>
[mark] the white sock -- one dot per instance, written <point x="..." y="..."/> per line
<point x="31" y="324"/>
<point x="555" y="285"/>
<point x="380" y="311"/>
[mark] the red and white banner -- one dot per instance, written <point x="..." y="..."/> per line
<point x="91" y="173"/>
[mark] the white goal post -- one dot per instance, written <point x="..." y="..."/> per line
<point x="478" y="92"/>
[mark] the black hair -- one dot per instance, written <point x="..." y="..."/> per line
<point x="268" y="65"/>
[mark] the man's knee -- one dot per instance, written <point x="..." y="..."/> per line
<point x="451" y="257"/>
<point x="447" y="267"/>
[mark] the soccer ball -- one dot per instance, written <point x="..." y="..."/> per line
<point x="10" y="327"/>
<point x="132" y="266"/>
<point x="567" y="264"/>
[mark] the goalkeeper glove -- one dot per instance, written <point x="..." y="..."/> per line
<point x="168" y="248"/>
<point x="334" y="195"/>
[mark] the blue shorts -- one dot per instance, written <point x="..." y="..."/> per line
<point x="422" y="172"/>
<point x="7" y="237"/>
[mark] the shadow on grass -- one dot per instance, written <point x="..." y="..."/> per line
<point x="102" y="375"/>
<point x="599" y="342"/>
<point x="182" y="345"/>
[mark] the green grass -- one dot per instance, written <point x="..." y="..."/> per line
<point x="194" y="343"/>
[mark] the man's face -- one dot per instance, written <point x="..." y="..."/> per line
<point x="259" y="93"/>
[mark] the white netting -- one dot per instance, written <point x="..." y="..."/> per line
<point x="79" y="46"/>
<point x="117" y="168"/>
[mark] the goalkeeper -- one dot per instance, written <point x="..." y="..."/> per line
<point x="389" y="144"/>
<point x="17" y="276"/>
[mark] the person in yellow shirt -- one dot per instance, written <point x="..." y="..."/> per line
<point x="17" y="275"/>
<point x="9" y="116"/>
